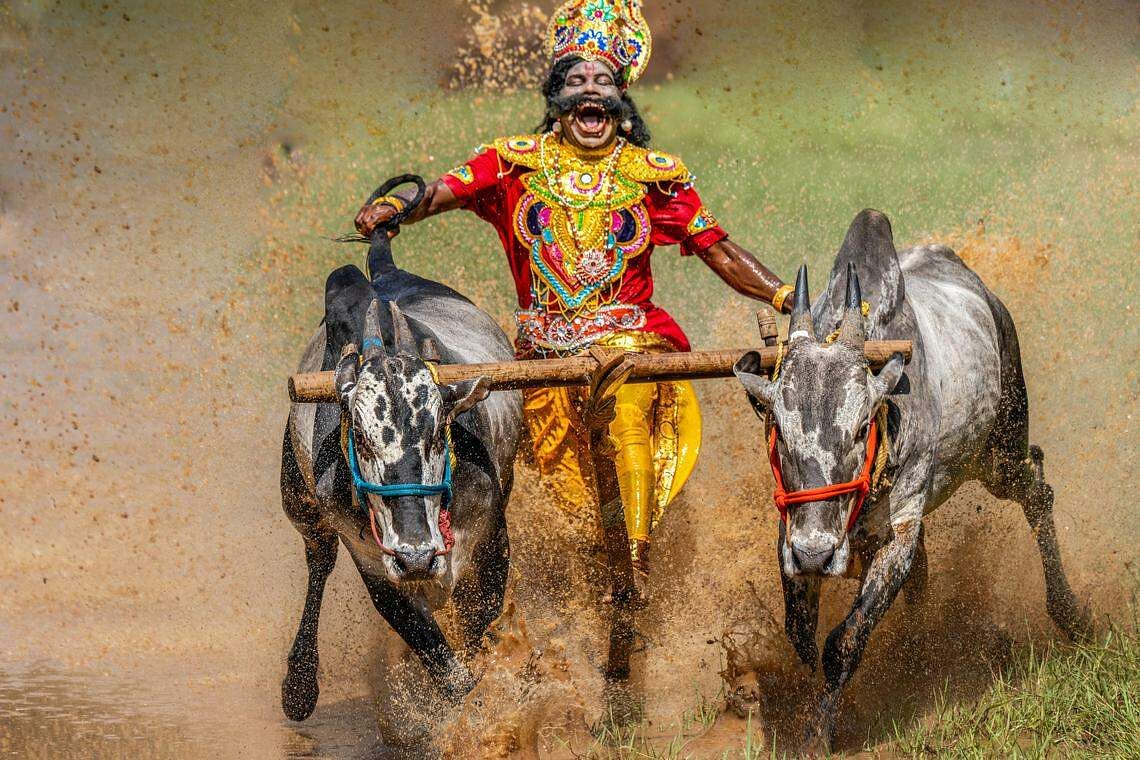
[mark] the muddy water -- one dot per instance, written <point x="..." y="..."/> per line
<point x="164" y="204"/>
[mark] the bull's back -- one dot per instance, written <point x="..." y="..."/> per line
<point x="470" y="336"/>
<point x="962" y="348"/>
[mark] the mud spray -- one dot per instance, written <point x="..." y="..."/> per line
<point x="172" y="177"/>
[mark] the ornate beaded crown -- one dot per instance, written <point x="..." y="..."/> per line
<point x="612" y="31"/>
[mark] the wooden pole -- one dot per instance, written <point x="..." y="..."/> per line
<point x="576" y="370"/>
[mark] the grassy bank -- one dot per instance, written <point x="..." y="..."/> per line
<point x="784" y="184"/>
<point x="1068" y="701"/>
<point x="1072" y="701"/>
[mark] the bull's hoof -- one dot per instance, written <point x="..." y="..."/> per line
<point x="457" y="684"/>
<point x="816" y="744"/>
<point x="624" y="707"/>
<point x="299" y="691"/>
<point x="743" y="698"/>
<point x="1074" y="621"/>
<point x="817" y="736"/>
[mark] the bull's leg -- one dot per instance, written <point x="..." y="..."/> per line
<point x="801" y="610"/>
<point x="1017" y="472"/>
<point x="844" y="647"/>
<point x="915" y="588"/>
<point x="1024" y="482"/>
<point x="416" y="626"/>
<point x="299" y="690"/>
<point x="480" y="598"/>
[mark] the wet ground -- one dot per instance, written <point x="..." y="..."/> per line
<point x="171" y="178"/>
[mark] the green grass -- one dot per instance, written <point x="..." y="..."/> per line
<point x="614" y="740"/>
<point x="1073" y="701"/>
<point x="1066" y="701"/>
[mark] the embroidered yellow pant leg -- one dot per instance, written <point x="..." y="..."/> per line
<point x="560" y="447"/>
<point x="634" y="459"/>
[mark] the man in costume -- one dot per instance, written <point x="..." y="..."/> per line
<point x="579" y="208"/>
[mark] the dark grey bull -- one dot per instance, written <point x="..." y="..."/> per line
<point x="398" y="418"/>
<point x="958" y="411"/>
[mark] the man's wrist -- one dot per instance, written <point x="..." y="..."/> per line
<point x="394" y="201"/>
<point x="781" y="295"/>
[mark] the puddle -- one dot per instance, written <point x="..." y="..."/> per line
<point x="45" y="713"/>
<point x="52" y="715"/>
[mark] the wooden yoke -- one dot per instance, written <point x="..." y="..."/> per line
<point x="577" y="370"/>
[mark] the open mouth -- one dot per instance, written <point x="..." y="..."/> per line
<point x="591" y="119"/>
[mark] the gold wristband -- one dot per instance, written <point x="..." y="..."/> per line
<point x="781" y="295"/>
<point x="394" y="201"/>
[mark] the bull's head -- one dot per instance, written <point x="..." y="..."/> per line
<point x="822" y="404"/>
<point x="399" y="415"/>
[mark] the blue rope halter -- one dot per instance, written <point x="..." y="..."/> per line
<point x="401" y="489"/>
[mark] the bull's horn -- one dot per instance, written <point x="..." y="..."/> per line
<point x="402" y="331"/>
<point x="373" y="344"/>
<point x="851" y="330"/>
<point x="801" y="310"/>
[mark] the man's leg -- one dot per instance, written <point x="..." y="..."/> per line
<point x="634" y="464"/>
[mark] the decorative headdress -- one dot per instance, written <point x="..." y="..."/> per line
<point x="612" y="31"/>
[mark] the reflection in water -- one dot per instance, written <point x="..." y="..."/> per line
<point x="45" y="713"/>
<point x="49" y="714"/>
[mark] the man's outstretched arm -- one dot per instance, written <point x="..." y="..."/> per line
<point x="437" y="199"/>
<point x="744" y="274"/>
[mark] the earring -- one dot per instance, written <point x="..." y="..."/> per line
<point x="556" y="127"/>
<point x="626" y="126"/>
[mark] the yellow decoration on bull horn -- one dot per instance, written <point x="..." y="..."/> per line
<point x="611" y="31"/>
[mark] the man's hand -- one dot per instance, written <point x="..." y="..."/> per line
<point x="373" y="215"/>
<point x="437" y="198"/>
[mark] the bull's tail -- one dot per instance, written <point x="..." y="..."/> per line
<point x="380" y="261"/>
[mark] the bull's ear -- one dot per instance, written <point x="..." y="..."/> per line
<point x="345" y="378"/>
<point x="460" y="397"/>
<point x="887" y="379"/>
<point x="760" y="389"/>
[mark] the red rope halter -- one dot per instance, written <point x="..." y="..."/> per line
<point x="860" y="485"/>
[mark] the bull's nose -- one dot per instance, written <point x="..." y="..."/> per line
<point x="813" y="557"/>
<point x="413" y="563"/>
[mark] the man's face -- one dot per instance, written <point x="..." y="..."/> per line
<point x="588" y="125"/>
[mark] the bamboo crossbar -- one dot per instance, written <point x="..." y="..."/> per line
<point x="575" y="370"/>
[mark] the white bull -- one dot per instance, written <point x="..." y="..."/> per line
<point x="958" y="411"/>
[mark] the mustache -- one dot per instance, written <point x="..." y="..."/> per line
<point x="614" y="107"/>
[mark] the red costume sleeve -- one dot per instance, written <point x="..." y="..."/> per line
<point x="472" y="181"/>
<point x="680" y="218"/>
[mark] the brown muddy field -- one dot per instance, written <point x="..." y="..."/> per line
<point x="155" y="285"/>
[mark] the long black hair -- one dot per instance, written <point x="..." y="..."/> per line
<point x="619" y="110"/>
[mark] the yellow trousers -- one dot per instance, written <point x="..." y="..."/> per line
<point x="636" y="473"/>
<point x="657" y="434"/>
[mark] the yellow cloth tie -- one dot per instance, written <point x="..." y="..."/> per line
<point x="394" y="201"/>
<point x="781" y="295"/>
<point x="447" y="426"/>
